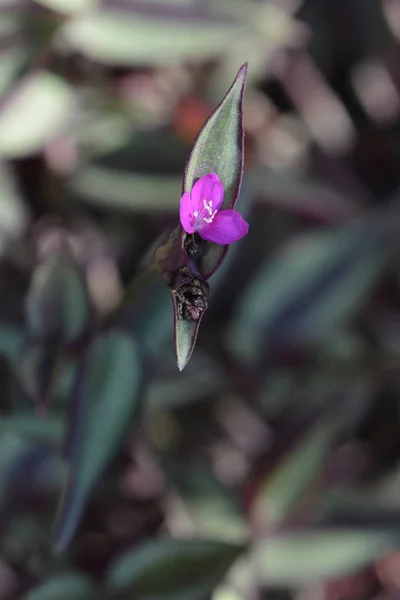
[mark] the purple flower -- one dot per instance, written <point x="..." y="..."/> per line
<point x="200" y="212"/>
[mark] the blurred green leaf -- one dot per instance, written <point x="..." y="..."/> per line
<point x="23" y="459"/>
<point x="12" y="449"/>
<point x="130" y="38"/>
<point x="313" y="284"/>
<point x="215" y="510"/>
<point x="127" y="191"/>
<point x="105" y="401"/>
<point x="68" y="8"/>
<point x="217" y="518"/>
<point x="36" y="368"/>
<point x="57" y="304"/>
<point x="219" y="148"/>
<point x="45" y="374"/>
<point x="309" y="556"/>
<point x="294" y="473"/>
<point x="9" y="26"/>
<point x="11" y="62"/>
<point x="366" y="507"/>
<point x="71" y="586"/>
<point x="10" y="340"/>
<point x="271" y="28"/>
<point x="153" y="318"/>
<point x="201" y="378"/>
<point x="35" y="111"/>
<point x="13" y="212"/>
<point x="303" y="197"/>
<point x="169" y="569"/>
<point x="27" y="536"/>
<point x="47" y="429"/>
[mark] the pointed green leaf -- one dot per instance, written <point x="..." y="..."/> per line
<point x="166" y="569"/>
<point x="105" y="402"/>
<point x="57" y="303"/>
<point x="219" y="148"/>
<point x="185" y="339"/>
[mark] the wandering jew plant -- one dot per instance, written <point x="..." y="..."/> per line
<point x="269" y="446"/>
<point x="208" y="219"/>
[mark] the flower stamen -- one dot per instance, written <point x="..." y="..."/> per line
<point x="212" y="215"/>
<point x="207" y="207"/>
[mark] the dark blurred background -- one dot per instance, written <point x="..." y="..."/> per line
<point x="279" y="441"/>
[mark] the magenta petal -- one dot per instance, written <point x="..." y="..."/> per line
<point x="227" y="227"/>
<point x="186" y="213"/>
<point x="207" y="188"/>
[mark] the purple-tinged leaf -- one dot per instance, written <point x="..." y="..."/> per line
<point x="104" y="404"/>
<point x="219" y="148"/>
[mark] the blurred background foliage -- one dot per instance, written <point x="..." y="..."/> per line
<point x="268" y="468"/>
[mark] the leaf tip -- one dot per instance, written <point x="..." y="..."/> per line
<point x="241" y="76"/>
<point x="185" y="340"/>
<point x="184" y="348"/>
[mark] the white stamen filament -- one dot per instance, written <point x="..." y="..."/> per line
<point x="208" y="208"/>
<point x="199" y="215"/>
<point x="210" y="220"/>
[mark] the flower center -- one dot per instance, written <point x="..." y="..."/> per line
<point x="205" y="215"/>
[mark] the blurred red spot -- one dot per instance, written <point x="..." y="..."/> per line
<point x="189" y="117"/>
